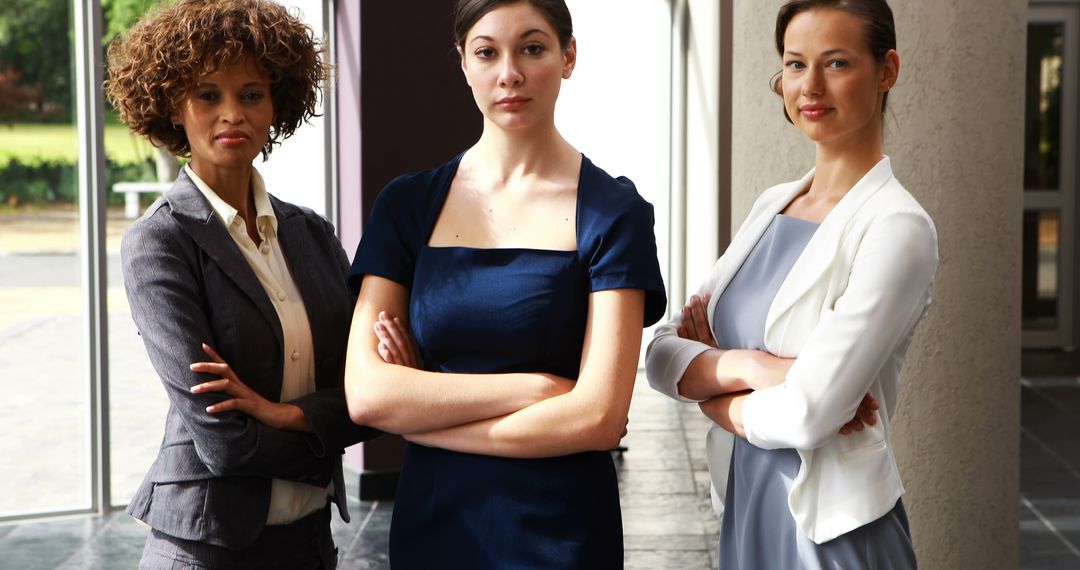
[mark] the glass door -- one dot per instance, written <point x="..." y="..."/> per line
<point x="1050" y="161"/>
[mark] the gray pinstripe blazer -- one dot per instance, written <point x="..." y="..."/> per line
<point x="187" y="282"/>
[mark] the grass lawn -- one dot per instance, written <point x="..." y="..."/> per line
<point x="32" y="142"/>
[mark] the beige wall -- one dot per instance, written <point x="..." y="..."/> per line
<point x="954" y="135"/>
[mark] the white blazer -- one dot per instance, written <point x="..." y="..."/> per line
<point x="846" y="313"/>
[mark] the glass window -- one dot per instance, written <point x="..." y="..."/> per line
<point x="44" y="414"/>
<point x="1042" y="231"/>
<point x="1042" y="112"/>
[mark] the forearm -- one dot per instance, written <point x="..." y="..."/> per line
<point x="291" y="417"/>
<point x="726" y="412"/>
<point x="561" y="425"/>
<point x="327" y="414"/>
<point x="713" y="373"/>
<point x="398" y="399"/>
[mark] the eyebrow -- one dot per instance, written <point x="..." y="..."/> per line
<point x="244" y="86"/>
<point x="522" y="36"/>
<point x="826" y="52"/>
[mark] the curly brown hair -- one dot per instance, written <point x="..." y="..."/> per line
<point x="158" y="61"/>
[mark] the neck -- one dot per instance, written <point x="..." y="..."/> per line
<point x="516" y="154"/>
<point x="233" y="185"/>
<point x="838" y="166"/>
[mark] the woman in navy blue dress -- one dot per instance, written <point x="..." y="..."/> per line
<point x="525" y="275"/>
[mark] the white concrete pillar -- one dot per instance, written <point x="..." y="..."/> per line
<point x="954" y="132"/>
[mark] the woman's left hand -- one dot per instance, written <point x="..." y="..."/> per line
<point x="396" y="345"/>
<point x="244" y="399"/>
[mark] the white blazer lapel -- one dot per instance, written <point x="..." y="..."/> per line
<point x="820" y="252"/>
<point x="751" y="231"/>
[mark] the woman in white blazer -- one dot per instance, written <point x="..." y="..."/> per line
<point x="812" y="307"/>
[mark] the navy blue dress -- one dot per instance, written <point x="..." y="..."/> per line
<point x="501" y="311"/>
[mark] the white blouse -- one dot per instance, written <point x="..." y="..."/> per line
<point x="289" y="500"/>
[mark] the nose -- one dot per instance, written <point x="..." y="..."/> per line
<point x="813" y="84"/>
<point x="510" y="75"/>
<point x="232" y="110"/>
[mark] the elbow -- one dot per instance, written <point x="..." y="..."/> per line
<point x="606" y="431"/>
<point x="363" y="397"/>
<point x="365" y="406"/>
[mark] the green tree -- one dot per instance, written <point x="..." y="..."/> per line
<point x="35" y="45"/>
<point x="120" y="15"/>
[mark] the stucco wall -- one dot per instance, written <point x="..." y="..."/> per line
<point x="954" y="134"/>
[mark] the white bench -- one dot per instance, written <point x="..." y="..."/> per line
<point x="131" y="191"/>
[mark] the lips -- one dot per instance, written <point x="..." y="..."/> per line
<point x="815" y="111"/>
<point x="511" y="103"/>
<point x="232" y="138"/>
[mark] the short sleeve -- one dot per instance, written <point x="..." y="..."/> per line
<point x="624" y="253"/>
<point x="388" y="246"/>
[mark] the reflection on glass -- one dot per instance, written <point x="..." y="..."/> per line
<point x="1042" y="111"/>
<point x="1040" y="269"/>
<point x="44" y="412"/>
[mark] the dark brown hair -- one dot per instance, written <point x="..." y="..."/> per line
<point x="157" y="62"/>
<point x="878" y="25"/>
<point x="468" y="12"/>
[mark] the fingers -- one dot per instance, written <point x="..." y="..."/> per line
<point x="211" y="368"/>
<point x="235" y="404"/>
<point x="851" y="427"/>
<point x="212" y="353"/>
<point x="395" y="339"/>
<point x="681" y="331"/>
<point x="217" y="368"/>
<point x="389" y="349"/>
<point x="865" y="414"/>
<point x="695" y="323"/>
<point x="386" y="354"/>
<point x="220" y="385"/>
<point x="700" y="309"/>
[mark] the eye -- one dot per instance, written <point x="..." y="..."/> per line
<point x="253" y="96"/>
<point x="484" y="53"/>
<point x="794" y="65"/>
<point x="208" y="96"/>
<point x="837" y="64"/>
<point x="532" y="49"/>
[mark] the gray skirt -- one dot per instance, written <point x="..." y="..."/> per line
<point x="759" y="532"/>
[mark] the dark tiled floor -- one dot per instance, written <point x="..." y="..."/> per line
<point x="664" y="486"/>
<point x="1050" y="473"/>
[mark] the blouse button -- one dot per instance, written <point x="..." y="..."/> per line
<point x="280" y="295"/>
<point x="296" y="355"/>
<point x="265" y="248"/>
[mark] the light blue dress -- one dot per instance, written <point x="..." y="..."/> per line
<point x="758" y="531"/>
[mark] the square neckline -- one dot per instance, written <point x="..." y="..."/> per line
<point x="444" y="192"/>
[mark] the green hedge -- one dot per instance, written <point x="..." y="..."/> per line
<point x="52" y="181"/>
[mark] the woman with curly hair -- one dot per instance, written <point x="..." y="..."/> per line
<point x="247" y="467"/>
